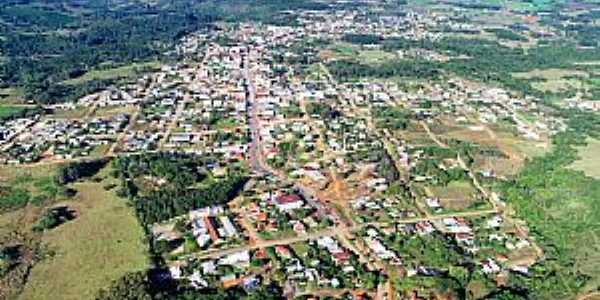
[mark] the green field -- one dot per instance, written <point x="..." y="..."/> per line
<point x="11" y="96"/>
<point x="103" y="243"/>
<point x="114" y="73"/>
<point x="7" y="111"/>
<point x="456" y="195"/>
<point x="555" y="80"/>
<point x="455" y="190"/>
<point x="589" y="161"/>
<point x="20" y="186"/>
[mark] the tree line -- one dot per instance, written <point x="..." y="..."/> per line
<point x="177" y="195"/>
<point x="76" y="170"/>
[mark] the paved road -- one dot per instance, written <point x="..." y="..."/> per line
<point x="257" y="160"/>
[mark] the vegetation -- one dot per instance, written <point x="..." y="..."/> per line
<point x="391" y="118"/>
<point x="386" y="167"/>
<point x="105" y="229"/>
<point x="143" y="286"/>
<point x="155" y="205"/>
<point x="29" y="187"/>
<point x="15" y="112"/>
<point x="483" y="60"/>
<point x="560" y="206"/>
<point x="79" y="169"/>
<point x="506" y="34"/>
<point x="323" y="110"/>
<point x="351" y="70"/>
<point x="53" y="217"/>
<point x="362" y="39"/>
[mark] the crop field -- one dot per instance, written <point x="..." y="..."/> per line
<point x="105" y="229"/>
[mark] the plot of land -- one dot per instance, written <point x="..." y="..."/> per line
<point x="589" y="161"/>
<point x="110" y="111"/>
<point x="7" y="111"/>
<point x="104" y="242"/>
<point x="456" y="195"/>
<point x="11" y="96"/>
<point x="77" y="113"/>
<point x="345" y="50"/>
<point x="114" y="73"/>
<point x="555" y="79"/>
<point x="515" y="147"/>
<point x="375" y="56"/>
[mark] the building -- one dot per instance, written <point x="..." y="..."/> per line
<point x="289" y="202"/>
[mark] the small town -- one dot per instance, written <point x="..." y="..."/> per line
<point x="299" y="158"/>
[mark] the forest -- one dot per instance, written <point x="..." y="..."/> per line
<point x="173" y="190"/>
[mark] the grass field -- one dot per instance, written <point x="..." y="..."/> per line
<point x="120" y="72"/>
<point x="457" y="195"/>
<point x="555" y="79"/>
<point x="103" y="243"/>
<point x="8" y="173"/>
<point x="110" y="111"/>
<point x="375" y="56"/>
<point x="20" y="186"/>
<point x="7" y="111"/>
<point x="11" y="96"/>
<point x="77" y="113"/>
<point x="589" y="161"/>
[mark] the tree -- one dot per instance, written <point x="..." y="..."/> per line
<point x="132" y="286"/>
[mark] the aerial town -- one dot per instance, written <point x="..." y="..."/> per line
<point x="329" y="180"/>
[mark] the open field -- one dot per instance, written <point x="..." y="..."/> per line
<point x="457" y="195"/>
<point x="11" y="96"/>
<point x="107" y="112"/>
<point x="503" y="167"/>
<point x="77" y="113"/>
<point x="8" y="172"/>
<point x="555" y="79"/>
<point x="550" y="74"/>
<point x="589" y="161"/>
<point x="20" y="186"/>
<point x="119" y="72"/>
<point x="375" y="56"/>
<point x="515" y="147"/>
<point x="7" y="111"/>
<point x="103" y="243"/>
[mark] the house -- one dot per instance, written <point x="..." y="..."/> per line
<point x="288" y="202"/>
<point x="238" y="258"/>
<point x="283" y="252"/>
<point x="489" y="266"/>
<point x="230" y="229"/>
